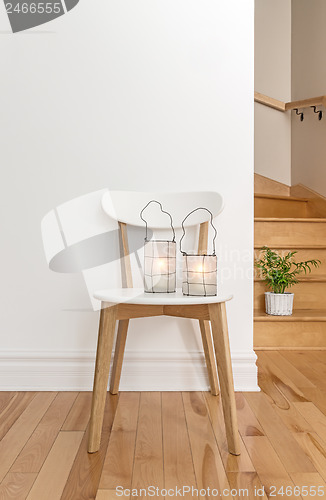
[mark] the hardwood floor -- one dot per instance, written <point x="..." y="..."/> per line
<point x="172" y="439"/>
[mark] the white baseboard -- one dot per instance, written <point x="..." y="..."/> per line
<point x="142" y="371"/>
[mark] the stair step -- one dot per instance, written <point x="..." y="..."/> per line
<point x="304" y="329"/>
<point x="280" y="206"/>
<point x="289" y="231"/>
<point x="280" y="197"/>
<point x="293" y="247"/>
<point x="307" y="295"/>
<point x="303" y="254"/>
<point x="298" y="315"/>
<point x="317" y="252"/>
<point x="290" y="219"/>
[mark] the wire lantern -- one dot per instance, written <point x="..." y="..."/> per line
<point x="159" y="260"/>
<point x="199" y="275"/>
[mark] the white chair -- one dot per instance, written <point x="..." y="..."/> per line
<point x="126" y="303"/>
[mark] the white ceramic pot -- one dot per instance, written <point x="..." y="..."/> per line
<point x="279" y="304"/>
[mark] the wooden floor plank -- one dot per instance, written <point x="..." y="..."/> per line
<point x="317" y="361"/>
<point x="148" y="464"/>
<point x="119" y="459"/>
<point x="315" y="449"/>
<point x="310" y="479"/>
<point x="269" y="467"/>
<point x="301" y="361"/>
<point x="246" y="484"/>
<point x="273" y="377"/>
<point x="315" y="394"/>
<point x="5" y="397"/>
<point x="280" y="437"/>
<point x="247" y="421"/>
<point x="16" y="485"/>
<point x="232" y="463"/>
<point x="320" y="355"/>
<point x="13" y="409"/>
<point x="314" y="417"/>
<point x="317" y="397"/>
<point x="292" y="373"/>
<point x="208" y="465"/>
<point x="19" y="433"/>
<point x="178" y="463"/>
<point x="79" y="414"/>
<point x="109" y="495"/>
<point x="275" y="385"/>
<point x="84" y="477"/>
<point x="52" y="478"/>
<point x="35" y="451"/>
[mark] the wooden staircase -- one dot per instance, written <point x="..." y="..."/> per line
<point x="285" y="222"/>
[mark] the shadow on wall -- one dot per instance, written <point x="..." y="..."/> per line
<point x="78" y="237"/>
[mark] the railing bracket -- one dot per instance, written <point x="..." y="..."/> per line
<point x="319" y="113"/>
<point x="300" y="114"/>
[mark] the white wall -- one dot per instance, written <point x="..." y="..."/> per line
<point x="273" y="78"/>
<point x="309" y="80"/>
<point x="125" y="95"/>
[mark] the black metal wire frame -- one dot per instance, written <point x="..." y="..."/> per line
<point x="206" y="286"/>
<point x="163" y="211"/>
<point x="184" y="231"/>
<point x="171" y="275"/>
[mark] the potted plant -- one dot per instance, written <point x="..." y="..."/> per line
<point x="279" y="273"/>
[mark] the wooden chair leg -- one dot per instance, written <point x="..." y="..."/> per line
<point x="101" y="376"/>
<point x="217" y="313"/>
<point x="118" y="355"/>
<point x="208" y="345"/>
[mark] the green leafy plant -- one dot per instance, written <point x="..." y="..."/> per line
<point x="281" y="272"/>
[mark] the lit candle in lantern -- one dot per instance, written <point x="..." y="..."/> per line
<point x="199" y="275"/>
<point x="160" y="266"/>
<point x="199" y="271"/>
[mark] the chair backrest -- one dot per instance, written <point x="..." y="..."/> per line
<point x="125" y="207"/>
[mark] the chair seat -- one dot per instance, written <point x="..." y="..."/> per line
<point x="138" y="296"/>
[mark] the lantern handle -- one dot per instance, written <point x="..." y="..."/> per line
<point x="184" y="231"/>
<point x="142" y="218"/>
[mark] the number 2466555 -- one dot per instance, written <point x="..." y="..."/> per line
<point x="34" y="8"/>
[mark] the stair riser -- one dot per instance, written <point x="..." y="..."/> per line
<point x="302" y="255"/>
<point x="290" y="233"/>
<point x="280" y="208"/>
<point x="294" y="334"/>
<point x="307" y="295"/>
